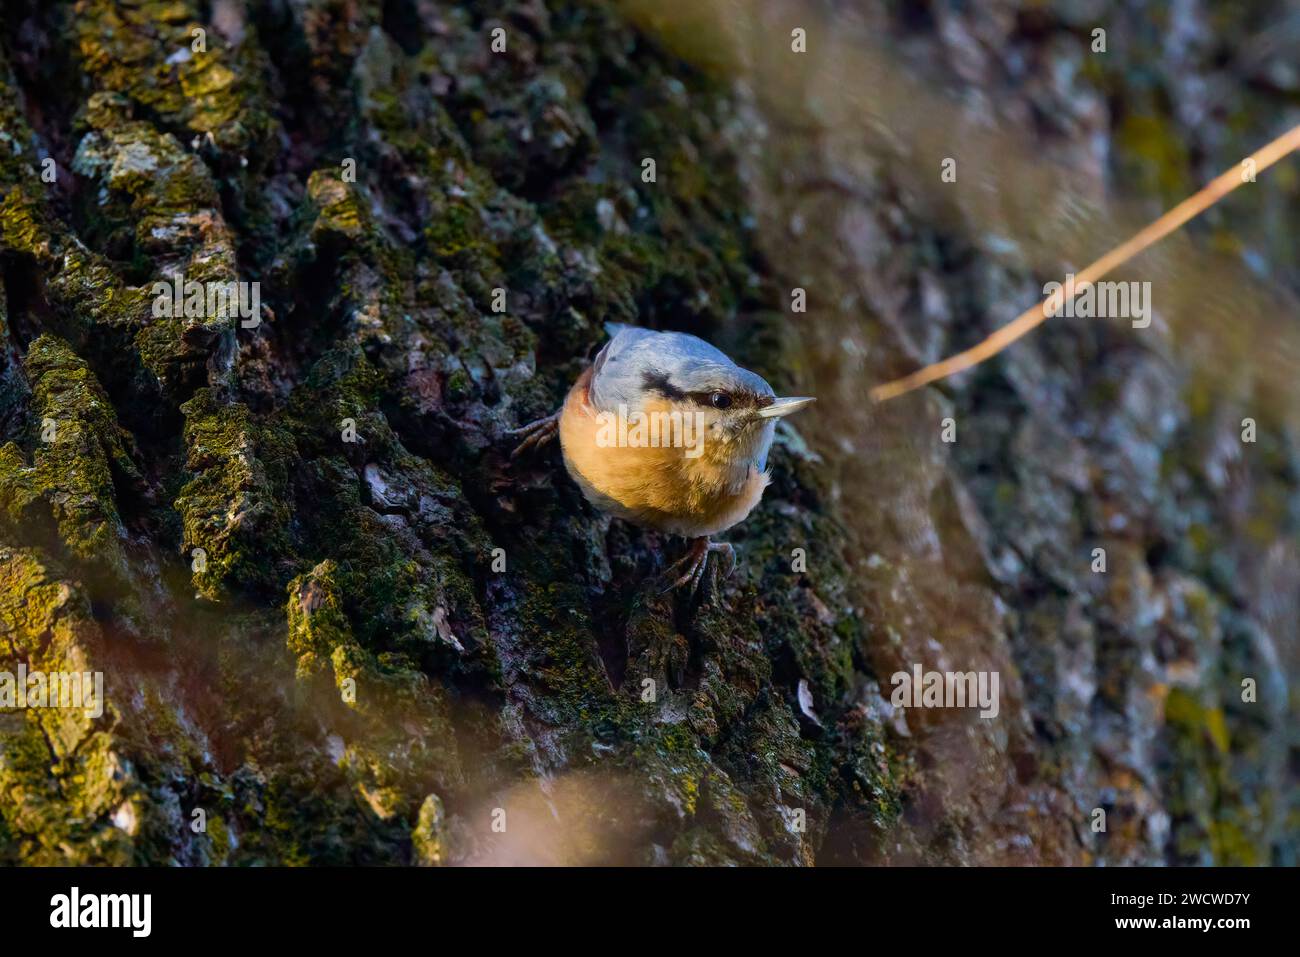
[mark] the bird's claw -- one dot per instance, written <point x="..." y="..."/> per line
<point x="696" y="562"/>
<point x="535" y="434"/>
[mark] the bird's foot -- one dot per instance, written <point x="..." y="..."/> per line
<point x="694" y="564"/>
<point x="536" y="434"/>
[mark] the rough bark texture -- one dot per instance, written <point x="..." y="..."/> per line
<point x="311" y="640"/>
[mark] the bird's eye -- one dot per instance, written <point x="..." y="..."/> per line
<point x="720" y="400"/>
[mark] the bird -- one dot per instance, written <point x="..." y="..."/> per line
<point x="665" y="431"/>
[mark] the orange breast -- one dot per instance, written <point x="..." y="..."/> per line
<point x="662" y="488"/>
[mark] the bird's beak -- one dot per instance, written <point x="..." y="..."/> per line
<point x="780" y="407"/>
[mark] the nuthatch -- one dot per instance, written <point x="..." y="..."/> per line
<point x="666" y="432"/>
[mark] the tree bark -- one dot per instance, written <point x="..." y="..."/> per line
<point x="337" y="625"/>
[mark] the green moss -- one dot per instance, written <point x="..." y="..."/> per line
<point x="398" y="743"/>
<point x="58" y="773"/>
<point x="233" y="507"/>
<point x="1185" y="713"/>
<point x="23" y="226"/>
<point x="1155" y="154"/>
<point x="1214" y="811"/>
<point x="80" y="454"/>
<point x="146" y="52"/>
<point x="339" y="204"/>
<point x="318" y="627"/>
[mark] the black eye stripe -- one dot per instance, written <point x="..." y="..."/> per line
<point x="658" y="382"/>
<point x="728" y="399"/>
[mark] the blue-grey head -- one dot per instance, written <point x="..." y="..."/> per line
<point x="641" y="367"/>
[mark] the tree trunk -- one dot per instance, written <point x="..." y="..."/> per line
<point x="338" y="625"/>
